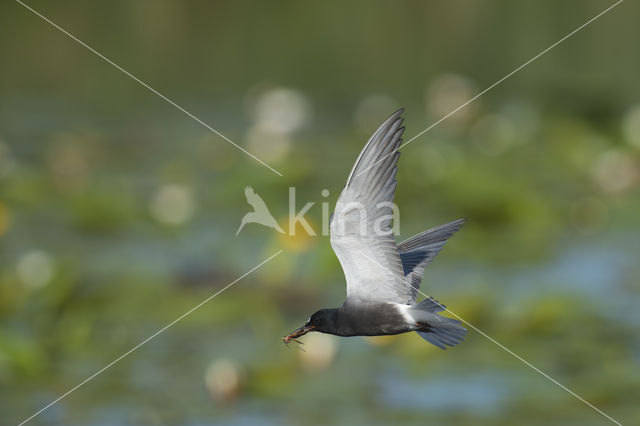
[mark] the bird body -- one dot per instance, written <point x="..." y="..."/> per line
<point x="383" y="278"/>
<point x="365" y="319"/>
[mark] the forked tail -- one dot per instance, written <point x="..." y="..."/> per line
<point x="435" y="329"/>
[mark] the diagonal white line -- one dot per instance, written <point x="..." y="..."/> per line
<point x="496" y="83"/>
<point x="91" y="377"/>
<point x="518" y="357"/>
<point x="146" y="86"/>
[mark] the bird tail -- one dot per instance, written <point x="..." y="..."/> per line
<point x="435" y="329"/>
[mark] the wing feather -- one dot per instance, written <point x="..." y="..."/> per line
<point x="418" y="251"/>
<point x="361" y="234"/>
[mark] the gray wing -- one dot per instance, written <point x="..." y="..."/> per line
<point x="418" y="251"/>
<point x="361" y="234"/>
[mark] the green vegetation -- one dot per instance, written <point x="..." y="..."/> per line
<point x="118" y="213"/>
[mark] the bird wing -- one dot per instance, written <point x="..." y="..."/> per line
<point x="418" y="251"/>
<point x="360" y="230"/>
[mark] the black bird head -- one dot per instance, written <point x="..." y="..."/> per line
<point x="321" y="321"/>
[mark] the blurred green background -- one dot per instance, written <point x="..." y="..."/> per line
<point x="118" y="212"/>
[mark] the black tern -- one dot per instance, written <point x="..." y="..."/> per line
<point x="383" y="279"/>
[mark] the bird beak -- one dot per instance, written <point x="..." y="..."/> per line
<point x="299" y="332"/>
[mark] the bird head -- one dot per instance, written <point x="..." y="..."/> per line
<point x="319" y="321"/>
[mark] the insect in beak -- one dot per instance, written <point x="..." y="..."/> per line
<point x="298" y="333"/>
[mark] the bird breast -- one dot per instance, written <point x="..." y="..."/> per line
<point x="374" y="319"/>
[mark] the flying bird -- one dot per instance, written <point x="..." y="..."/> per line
<point x="383" y="278"/>
<point x="260" y="213"/>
